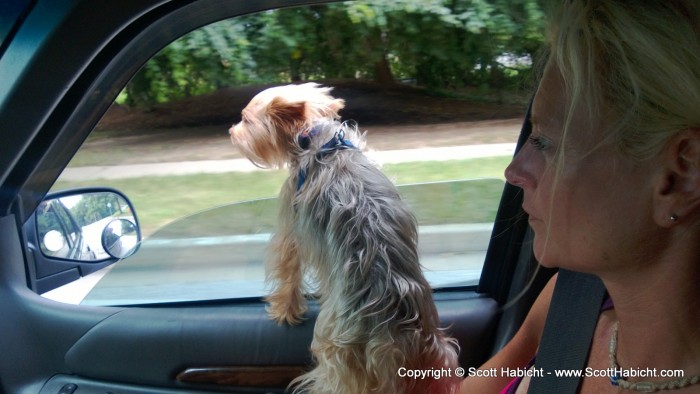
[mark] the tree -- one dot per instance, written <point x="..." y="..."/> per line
<point x="439" y="44"/>
<point x="94" y="207"/>
<point x="202" y="61"/>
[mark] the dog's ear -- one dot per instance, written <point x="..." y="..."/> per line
<point x="335" y="106"/>
<point x="287" y="115"/>
<point x="324" y="107"/>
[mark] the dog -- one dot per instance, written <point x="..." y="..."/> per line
<point x="343" y="221"/>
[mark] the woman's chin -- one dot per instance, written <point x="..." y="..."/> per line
<point x="544" y="257"/>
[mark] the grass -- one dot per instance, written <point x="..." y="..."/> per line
<point x="159" y="200"/>
<point x="436" y="171"/>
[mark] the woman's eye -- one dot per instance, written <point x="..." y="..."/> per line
<point x="539" y="143"/>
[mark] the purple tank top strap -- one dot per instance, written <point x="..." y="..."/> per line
<point x="607" y="304"/>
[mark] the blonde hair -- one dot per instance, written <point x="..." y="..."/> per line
<point x="637" y="62"/>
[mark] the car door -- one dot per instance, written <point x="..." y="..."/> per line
<point x="63" y="65"/>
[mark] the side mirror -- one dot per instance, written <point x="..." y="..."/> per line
<point x="87" y="226"/>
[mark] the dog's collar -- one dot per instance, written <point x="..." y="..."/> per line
<point x="338" y="142"/>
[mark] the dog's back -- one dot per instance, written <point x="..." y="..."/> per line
<point x="377" y="313"/>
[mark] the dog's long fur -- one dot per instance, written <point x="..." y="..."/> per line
<point x="347" y="225"/>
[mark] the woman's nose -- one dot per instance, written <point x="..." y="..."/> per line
<point x="516" y="173"/>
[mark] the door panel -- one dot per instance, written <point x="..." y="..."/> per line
<point x="150" y="347"/>
<point x="171" y="340"/>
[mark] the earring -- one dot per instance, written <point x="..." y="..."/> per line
<point x="673" y="217"/>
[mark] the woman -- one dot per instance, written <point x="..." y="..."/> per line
<point x="611" y="182"/>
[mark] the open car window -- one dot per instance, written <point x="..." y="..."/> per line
<point x="441" y="121"/>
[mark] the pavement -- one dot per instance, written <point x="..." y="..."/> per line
<point x="244" y="165"/>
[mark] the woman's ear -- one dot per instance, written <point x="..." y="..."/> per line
<point x="677" y="195"/>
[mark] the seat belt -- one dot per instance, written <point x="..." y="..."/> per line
<point x="568" y="332"/>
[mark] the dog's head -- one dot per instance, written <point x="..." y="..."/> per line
<point x="275" y="118"/>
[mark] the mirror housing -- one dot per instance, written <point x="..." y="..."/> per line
<point x="87" y="225"/>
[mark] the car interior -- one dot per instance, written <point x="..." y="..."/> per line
<point x="82" y="56"/>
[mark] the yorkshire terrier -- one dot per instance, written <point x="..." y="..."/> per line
<point x="343" y="222"/>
